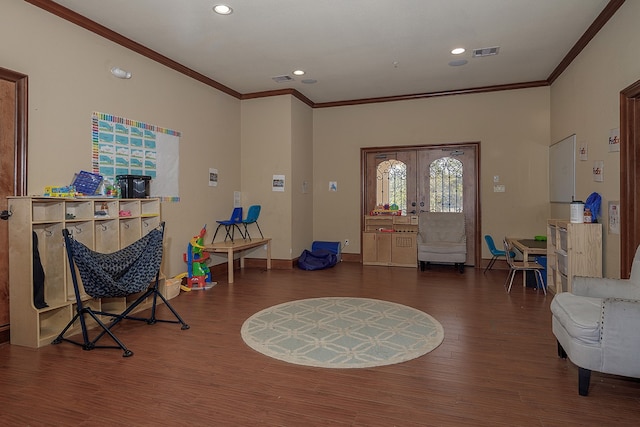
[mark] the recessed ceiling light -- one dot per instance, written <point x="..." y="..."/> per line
<point x="458" y="62"/>
<point x="458" y="51"/>
<point x="222" y="9"/>
<point x="298" y="73"/>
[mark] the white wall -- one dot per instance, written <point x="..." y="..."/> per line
<point x="513" y="130"/>
<point x="277" y="140"/>
<point x="585" y="100"/>
<point x="266" y="151"/>
<point x="302" y="177"/>
<point x="68" y="69"/>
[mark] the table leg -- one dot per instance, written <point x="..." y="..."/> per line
<point x="230" y="265"/>
<point x="269" y="255"/>
<point x="525" y="258"/>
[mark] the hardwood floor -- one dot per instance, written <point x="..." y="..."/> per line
<point x="497" y="366"/>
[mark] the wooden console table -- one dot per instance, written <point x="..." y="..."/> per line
<point x="238" y="246"/>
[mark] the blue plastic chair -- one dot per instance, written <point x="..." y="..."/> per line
<point x="230" y="225"/>
<point x="495" y="252"/>
<point x="252" y="218"/>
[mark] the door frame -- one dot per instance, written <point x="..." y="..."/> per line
<point x="19" y="173"/>
<point x="21" y="82"/>
<point x="629" y="176"/>
<point x="477" y="217"/>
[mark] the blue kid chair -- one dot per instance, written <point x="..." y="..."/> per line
<point x="252" y="218"/>
<point x="497" y="253"/>
<point x="230" y="225"/>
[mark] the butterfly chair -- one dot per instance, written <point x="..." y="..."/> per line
<point x="132" y="270"/>
<point x="230" y="225"/>
<point x="495" y="252"/>
<point x="524" y="266"/>
<point x="252" y="218"/>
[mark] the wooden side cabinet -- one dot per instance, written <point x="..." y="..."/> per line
<point x="390" y="241"/>
<point x="573" y="249"/>
<point x="104" y="225"/>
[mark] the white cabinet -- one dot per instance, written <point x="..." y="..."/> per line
<point x="104" y="225"/>
<point x="573" y="249"/>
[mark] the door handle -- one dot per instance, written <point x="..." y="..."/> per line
<point x="6" y="214"/>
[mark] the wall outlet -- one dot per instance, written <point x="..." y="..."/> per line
<point x="346" y="242"/>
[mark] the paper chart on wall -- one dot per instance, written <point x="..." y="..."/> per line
<point x="129" y="147"/>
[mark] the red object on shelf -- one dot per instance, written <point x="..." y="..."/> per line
<point x="385" y="212"/>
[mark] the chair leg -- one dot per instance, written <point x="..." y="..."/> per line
<point x="584" y="378"/>
<point x="261" y="235"/>
<point x="561" y="353"/>
<point x="239" y="231"/>
<point x="506" y="280"/>
<point x="86" y="343"/>
<point x="490" y="265"/>
<point x="540" y="281"/>
<point x="216" y="233"/>
<point x="152" y="291"/>
<point x="511" y="275"/>
<point x="228" y="233"/>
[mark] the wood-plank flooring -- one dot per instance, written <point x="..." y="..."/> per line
<point x="497" y="366"/>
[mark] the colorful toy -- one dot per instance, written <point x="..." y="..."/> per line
<point x="198" y="273"/>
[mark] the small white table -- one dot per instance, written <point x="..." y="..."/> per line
<point x="528" y="247"/>
<point x="230" y="248"/>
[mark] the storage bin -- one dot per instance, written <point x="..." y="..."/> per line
<point x="172" y="288"/>
<point x="562" y="262"/>
<point x="552" y="232"/>
<point x="133" y="186"/>
<point x="563" y="282"/>
<point x="542" y="260"/>
<point x="563" y="239"/>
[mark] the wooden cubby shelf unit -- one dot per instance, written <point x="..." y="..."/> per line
<point x="97" y="223"/>
<point x="573" y="249"/>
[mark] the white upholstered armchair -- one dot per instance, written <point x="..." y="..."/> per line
<point x="442" y="239"/>
<point x="597" y="325"/>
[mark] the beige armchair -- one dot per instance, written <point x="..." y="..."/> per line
<point x="597" y="323"/>
<point x="441" y="239"/>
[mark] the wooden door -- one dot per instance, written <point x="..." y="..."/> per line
<point x="418" y="160"/>
<point x="467" y="156"/>
<point x="13" y="143"/>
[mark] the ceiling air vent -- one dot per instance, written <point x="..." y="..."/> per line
<point x="282" y="79"/>
<point x="486" y="51"/>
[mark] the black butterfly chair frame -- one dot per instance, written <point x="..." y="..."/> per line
<point x="83" y="310"/>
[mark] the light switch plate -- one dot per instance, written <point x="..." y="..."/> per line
<point x="498" y="188"/>
<point x="496" y="178"/>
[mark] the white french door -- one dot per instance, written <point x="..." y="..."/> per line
<point x="431" y="183"/>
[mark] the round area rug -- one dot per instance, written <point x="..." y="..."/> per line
<point x="339" y="332"/>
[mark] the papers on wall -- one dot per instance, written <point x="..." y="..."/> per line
<point x="122" y="146"/>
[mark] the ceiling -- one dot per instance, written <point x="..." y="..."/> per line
<point x="353" y="49"/>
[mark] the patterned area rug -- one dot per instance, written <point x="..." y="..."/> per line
<point x="341" y="332"/>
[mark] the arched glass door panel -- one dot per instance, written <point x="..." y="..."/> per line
<point x="446" y="185"/>
<point x="391" y="184"/>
